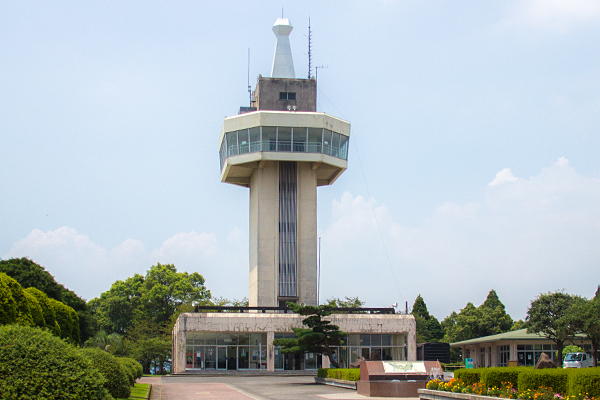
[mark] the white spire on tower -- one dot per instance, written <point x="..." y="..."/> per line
<point x="283" y="64"/>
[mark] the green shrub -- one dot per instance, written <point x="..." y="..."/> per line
<point x="35" y="310"/>
<point x="8" y="305"/>
<point x="117" y="382"/>
<point x="36" y="365"/>
<point x="533" y="379"/>
<point x="128" y="369"/>
<point x="134" y="366"/>
<point x="499" y="375"/>
<point x="584" y="381"/>
<point x="344" y="374"/>
<point x="23" y="314"/>
<point x="469" y="376"/>
<point x="67" y="320"/>
<point x="47" y="310"/>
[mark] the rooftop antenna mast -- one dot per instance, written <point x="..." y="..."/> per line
<point x="249" y="87"/>
<point x="309" y="50"/>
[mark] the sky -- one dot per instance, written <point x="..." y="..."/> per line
<point x="473" y="164"/>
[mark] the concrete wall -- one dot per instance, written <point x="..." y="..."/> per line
<point x="266" y="94"/>
<point x="264" y="239"/>
<point x="283" y="323"/>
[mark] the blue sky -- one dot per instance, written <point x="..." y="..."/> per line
<point x="476" y="124"/>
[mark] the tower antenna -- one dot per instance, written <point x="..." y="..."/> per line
<point x="309" y="50"/>
<point x="249" y="87"/>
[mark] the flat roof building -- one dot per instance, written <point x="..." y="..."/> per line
<point x="282" y="149"/>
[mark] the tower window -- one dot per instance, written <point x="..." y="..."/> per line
<point x="287" y="96"/>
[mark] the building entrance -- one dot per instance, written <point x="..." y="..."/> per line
<point x="227" y="357"/>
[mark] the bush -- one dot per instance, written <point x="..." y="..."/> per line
<point x="8" y="305"/>
<point x="36" y="365"/>
<point x="35" y="310"/>
<point x="23" y="317"/>
<point x="67" y="320"/>
<point x="136" y="367"/>
<point x="129" y="368"/>
<point x="584" y="381"/>
<point x="501" y="375"/>
<point x="469" y="376"/>
<point x="116" y="382"/>
<point x="47" y="310"/>
<point x="533" y="379"/>
<point x="344" y="374"/>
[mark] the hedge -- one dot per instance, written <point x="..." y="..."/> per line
<point x="47" y="310"/>
<point x="344" y="374"/>
<point x="491" y="377"/>
<point x="584" y="381"/>
<point x="35" y="310"/>
<point x="117" y="382"/>
<point x="556" y="379"/>
<point x="67" y="320"/>
<point x="8" y="306"/>
<point x="34" y="364"/>
<point x="22" y="315"/>
<point x="469" y="376"/>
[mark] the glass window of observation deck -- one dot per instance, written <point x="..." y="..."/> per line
<point x="254" y="139"/>
<point x="315" y="140"/>
<point x="327" y="142"/>
<point x="232" y="148"/>
<point x="299" y="139"/>
<point x="284" y="138"/>
<point x="343" y="147"/>
<point x="269" y="138"/>
<point x="335" y="145"/>
<point x="244" y="144"/>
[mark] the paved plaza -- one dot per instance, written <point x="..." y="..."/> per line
<point x="246" y="388"/>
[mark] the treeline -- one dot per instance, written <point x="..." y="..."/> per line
<point x="134" y="318"/>
<point x="558" y="316"/>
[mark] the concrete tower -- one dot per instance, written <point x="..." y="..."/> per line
<point x="282" y="149"/>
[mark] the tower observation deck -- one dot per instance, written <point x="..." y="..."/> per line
<point x="282" y="149"/>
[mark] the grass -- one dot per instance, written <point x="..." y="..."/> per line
<point x="139" y="391"/>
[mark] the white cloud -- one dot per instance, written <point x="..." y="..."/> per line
<point x="531" y="236"/>
<point x="502" y="177"/>
<point x="554" y="15"/>
<point x="89" y="269"/>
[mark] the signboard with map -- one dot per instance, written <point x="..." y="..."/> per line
<point x="404" y="367"/>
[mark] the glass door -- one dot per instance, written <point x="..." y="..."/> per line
<point x="221" y="357"/>
<point x="232" y="357"/>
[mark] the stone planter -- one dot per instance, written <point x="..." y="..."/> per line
<point x="426" y="394"/>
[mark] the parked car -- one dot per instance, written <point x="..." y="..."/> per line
<point x="578" y="360"/>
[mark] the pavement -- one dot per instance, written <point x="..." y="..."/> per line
<point x="262" y="387"/>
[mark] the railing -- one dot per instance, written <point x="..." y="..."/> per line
<point x="283" y="310"/>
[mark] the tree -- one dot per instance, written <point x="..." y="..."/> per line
<point x="549" y="316"/>
<point x="494" y="318"/>
<point x="319" y="335"/>
<point x="519" y="324"/>
<point x="428" y="327"/>
<point x="32" y="275"/>
<point x="348" y="302"/>
<point x="585" y="316"/>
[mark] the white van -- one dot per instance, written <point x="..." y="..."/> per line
<point x="578" y="360"/>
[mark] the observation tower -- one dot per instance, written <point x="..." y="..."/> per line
<point x="282" y="149"/>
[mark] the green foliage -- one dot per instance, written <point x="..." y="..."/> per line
<point x="533" y="379"/>
<point x="23" y="314"/>
<point x="35" y="310"/>
<point x="47" y="310"/>
<point x="320" y="335"/>
<point x="428" y="327"/>
<point x="128" y="368"/>
<point x="348" y="302"/>
<point x="133" y="365"/>
<point x="67" y="320"/>
<point x="36" y="365"/>
<point x="499" y="376"/>
<point x="8" y="305"/>
<point x="519" y="324"/>
<point x="156" y="296"/>
<point x="488" y="319"/>
<point x="116" y="382"/>
<point x="345" y="374"/>
<point x="584" y="381"/>
<point x="155" y="350"/>
<point x="469" y="376"/>
<point x="585" y="316"/>
<point x="29" y="274"/>
<point x="549" y="315"/>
